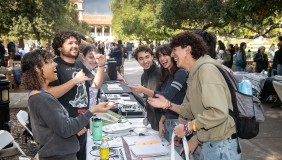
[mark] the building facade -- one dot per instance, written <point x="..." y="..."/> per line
<point x="101" y="25"/>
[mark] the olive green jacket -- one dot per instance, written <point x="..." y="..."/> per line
<point x="207" y="101"/>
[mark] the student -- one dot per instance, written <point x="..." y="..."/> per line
<point x="261" y="60"/>
<point x="150" y="79"/>
<point x="240" y="59"/>
<point x="52" y="127"/>
<point x="73" y="83"/>
<point x="88" y="59"/>
<point x="209" y="100"/>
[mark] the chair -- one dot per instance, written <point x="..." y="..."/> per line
<point x="278" y="88"/>
<point x="23" y="117"/>
<point x="7" y="138"/>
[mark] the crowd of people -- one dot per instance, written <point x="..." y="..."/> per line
<point x="184" y="92"/>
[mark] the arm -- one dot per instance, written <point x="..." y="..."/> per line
<point x="178" y="82"/>
<point x="99" y="77"/>
<point x="60" y="90"/>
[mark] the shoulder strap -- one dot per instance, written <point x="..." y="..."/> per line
<point x="33" y="92"/>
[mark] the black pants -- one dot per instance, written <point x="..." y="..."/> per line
<point x="81" y="154"/>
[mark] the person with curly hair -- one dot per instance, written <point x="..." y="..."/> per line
<point x="150" y="79"/>
<point x="74" y="79"/>
<point x="207" y="101"/>
<point x="52" y="128"/>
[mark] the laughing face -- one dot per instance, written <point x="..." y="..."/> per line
<point x="165" y="60"/>
<point x="179" y="54"/>
<point x="89" y="60"/>
<point x="50" y="71"/>
<point x="145" y="59"/>
<point x="70" y="48"/>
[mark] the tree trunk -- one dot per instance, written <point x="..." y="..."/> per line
<point x="21" y="42"/>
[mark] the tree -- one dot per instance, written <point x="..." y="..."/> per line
<point x="136" y="19"/>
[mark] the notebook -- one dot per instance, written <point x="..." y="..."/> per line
<point x="149" y="150"/>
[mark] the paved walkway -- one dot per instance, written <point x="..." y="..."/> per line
<point x="266" y="146"/>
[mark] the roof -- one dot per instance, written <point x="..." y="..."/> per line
<point x="97" y="19"/>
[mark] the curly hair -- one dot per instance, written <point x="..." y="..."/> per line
<point x="166" y="50"/>
<point x="61" y="37"/>
<point x="184" y="39"/>
<point x="210" y="40"/>
<point x="31" y="80"/>
<point x="142" y="48"/>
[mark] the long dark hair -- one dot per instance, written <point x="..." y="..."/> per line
<point x="242" y="44"/>
<point x="232" y="49"/>
<point x="221" y="45"/>
<point x="166" y="50"/>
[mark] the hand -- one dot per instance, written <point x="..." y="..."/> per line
<point x="102" y="107"/>
<point x="81" y="132"/>
<point x="136" y="88"/>
<point x="179" y="130"/>
<point x="80" y="77"/>
<point x="100" y="59"/>
<point x="157" y="102"/>
<point x="192" y="146"/>
<point x="161" y="130"/>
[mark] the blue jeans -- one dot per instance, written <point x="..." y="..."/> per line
<point x="279" y="69"/>
<point x="129" y="55"/>
<point x="169" y="126"/>
<point x="238" y="68"/>
<point x="220" y="150"/>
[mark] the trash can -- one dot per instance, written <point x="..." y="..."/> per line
<point x="5" y="123"/>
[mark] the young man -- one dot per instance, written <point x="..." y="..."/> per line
<point x="207" y="100"/>
<point x="72" y="86"/>
<point x="150" y="79"/>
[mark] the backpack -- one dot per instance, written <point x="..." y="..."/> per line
<point x="247" y="109"/>
<point x="226" y="56"/>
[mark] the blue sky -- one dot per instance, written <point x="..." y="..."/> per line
<point x="99" y="7"/>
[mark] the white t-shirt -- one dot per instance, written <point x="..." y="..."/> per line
<point x="92" y="94"/>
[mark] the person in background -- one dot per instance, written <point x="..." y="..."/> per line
<point x="152" y="46"/>
<point x="173" y="87"/>
<point x="232" y="52"/>
<point x="123" y="52"/>
<point x="2" y="53"/>
<point x="150" y="79"/>
<point x="212" y="124"/>
<point x="117" y="55"/>
<point x="52" y="128"/>
<point x="129" y="51"/>
<point x="240" y="59"/>
<point x="88" y="59"/>
<point x="249" y="55"/>
<point x="279" y="57"/>
<point x="74" y="79"/>
<point x="221" y="49"/>
<point x="261" y="60"/>
<point x="11" y="49"/>
<point x="275" y="60"/>
<point x="112" y="47"/>
<point x="272" y="51"/>
<point x="101" y="48"/>
<point x="236" y="47"/>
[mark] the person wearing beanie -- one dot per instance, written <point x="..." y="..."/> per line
<point x="279" y="58"/>
<point x="261" y="60"/>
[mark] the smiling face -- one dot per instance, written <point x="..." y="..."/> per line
<point x="179" y="53"/>
<point x="165" y="60"/>
<point x="50" y="71"/>
<point x="69" y="48"/>
<point x="89" y="60"/>
<point x="145" y="59"/>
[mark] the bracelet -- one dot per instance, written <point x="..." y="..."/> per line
<point x="186" y="129"/>
<point x="166" y="104"/>
<point x="102" y="65"/>
<point x="169" y="105"/>
<point x="194" y="126"/>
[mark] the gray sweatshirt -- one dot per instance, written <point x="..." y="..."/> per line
<point x="52" y="127"/>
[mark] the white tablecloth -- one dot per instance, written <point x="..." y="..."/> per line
<point x="138" y="123"/>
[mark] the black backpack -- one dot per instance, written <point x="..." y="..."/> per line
<point x="245" y="108"/>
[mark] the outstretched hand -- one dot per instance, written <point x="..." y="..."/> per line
<point x="136" y="88"/>
<point x="102" y="107"/>
<point x="158" y="102"/>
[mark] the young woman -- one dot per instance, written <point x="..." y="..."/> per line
<point x="51" y="125"/>
<point x="231" y="49"/>
<point x="117" y="54"/>
<point x="101" y="48"/>
<point x="173" y="87"/>
<point x="88" y="58"/>
<point x="261" y="60"/>
<point x="240" y="60"/>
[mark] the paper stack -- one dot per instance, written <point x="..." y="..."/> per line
<point x="149" y="150"/>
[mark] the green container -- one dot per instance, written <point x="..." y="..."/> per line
<point x="97" y="129"/>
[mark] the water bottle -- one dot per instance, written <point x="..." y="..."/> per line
<point x="104" y="149"/>
<point x="269" y="71"/>
<point x="97" y="129"/>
